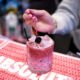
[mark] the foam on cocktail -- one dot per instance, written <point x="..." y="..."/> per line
<point x="45" y="42"/>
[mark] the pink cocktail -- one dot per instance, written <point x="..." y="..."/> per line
<point x="40" y="51"/>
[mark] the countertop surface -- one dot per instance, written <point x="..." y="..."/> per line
<point x="13" y="64"/>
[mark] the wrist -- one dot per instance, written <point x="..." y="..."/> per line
<point x="54" y="27"/>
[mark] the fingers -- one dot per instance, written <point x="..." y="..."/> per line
<point x="30" y="19"/>
<point x="32" y="15"/>
<point x="35" y="12"/>
<point x="34" y="19"/>
<point x="27" y="16"/>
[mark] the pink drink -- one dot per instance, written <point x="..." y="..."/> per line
<point x="40" y="54"/>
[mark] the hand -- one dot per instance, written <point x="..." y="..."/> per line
<point x="40" y="20"/>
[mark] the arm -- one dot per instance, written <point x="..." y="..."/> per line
<point x="67" y="16"/>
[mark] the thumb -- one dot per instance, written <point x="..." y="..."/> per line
<point x="35" y="12"/>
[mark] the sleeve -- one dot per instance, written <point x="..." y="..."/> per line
<point x="67" y="16"/>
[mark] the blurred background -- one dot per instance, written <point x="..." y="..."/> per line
<point x="11" y="11"/>
<point x="12" y="24"/>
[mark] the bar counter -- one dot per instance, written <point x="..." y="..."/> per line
<point x="13" y="64"/>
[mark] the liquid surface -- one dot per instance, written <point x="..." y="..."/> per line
<point x="45" y="42"/>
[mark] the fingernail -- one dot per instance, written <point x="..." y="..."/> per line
<point x="27" y="11"/>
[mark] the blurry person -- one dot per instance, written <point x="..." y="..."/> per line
<point x="63" y="21"/>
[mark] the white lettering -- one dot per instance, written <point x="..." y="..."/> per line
<point x="7" y="63"/>
<point x="33" y="77"/>
<point x="16" y="67"/>
<point x="24" y="71"/>
<point x="43" y="77"/>
<point x="1" y="58"/>
<point x="62" y="77"/>
<point x="51" y="76"/>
